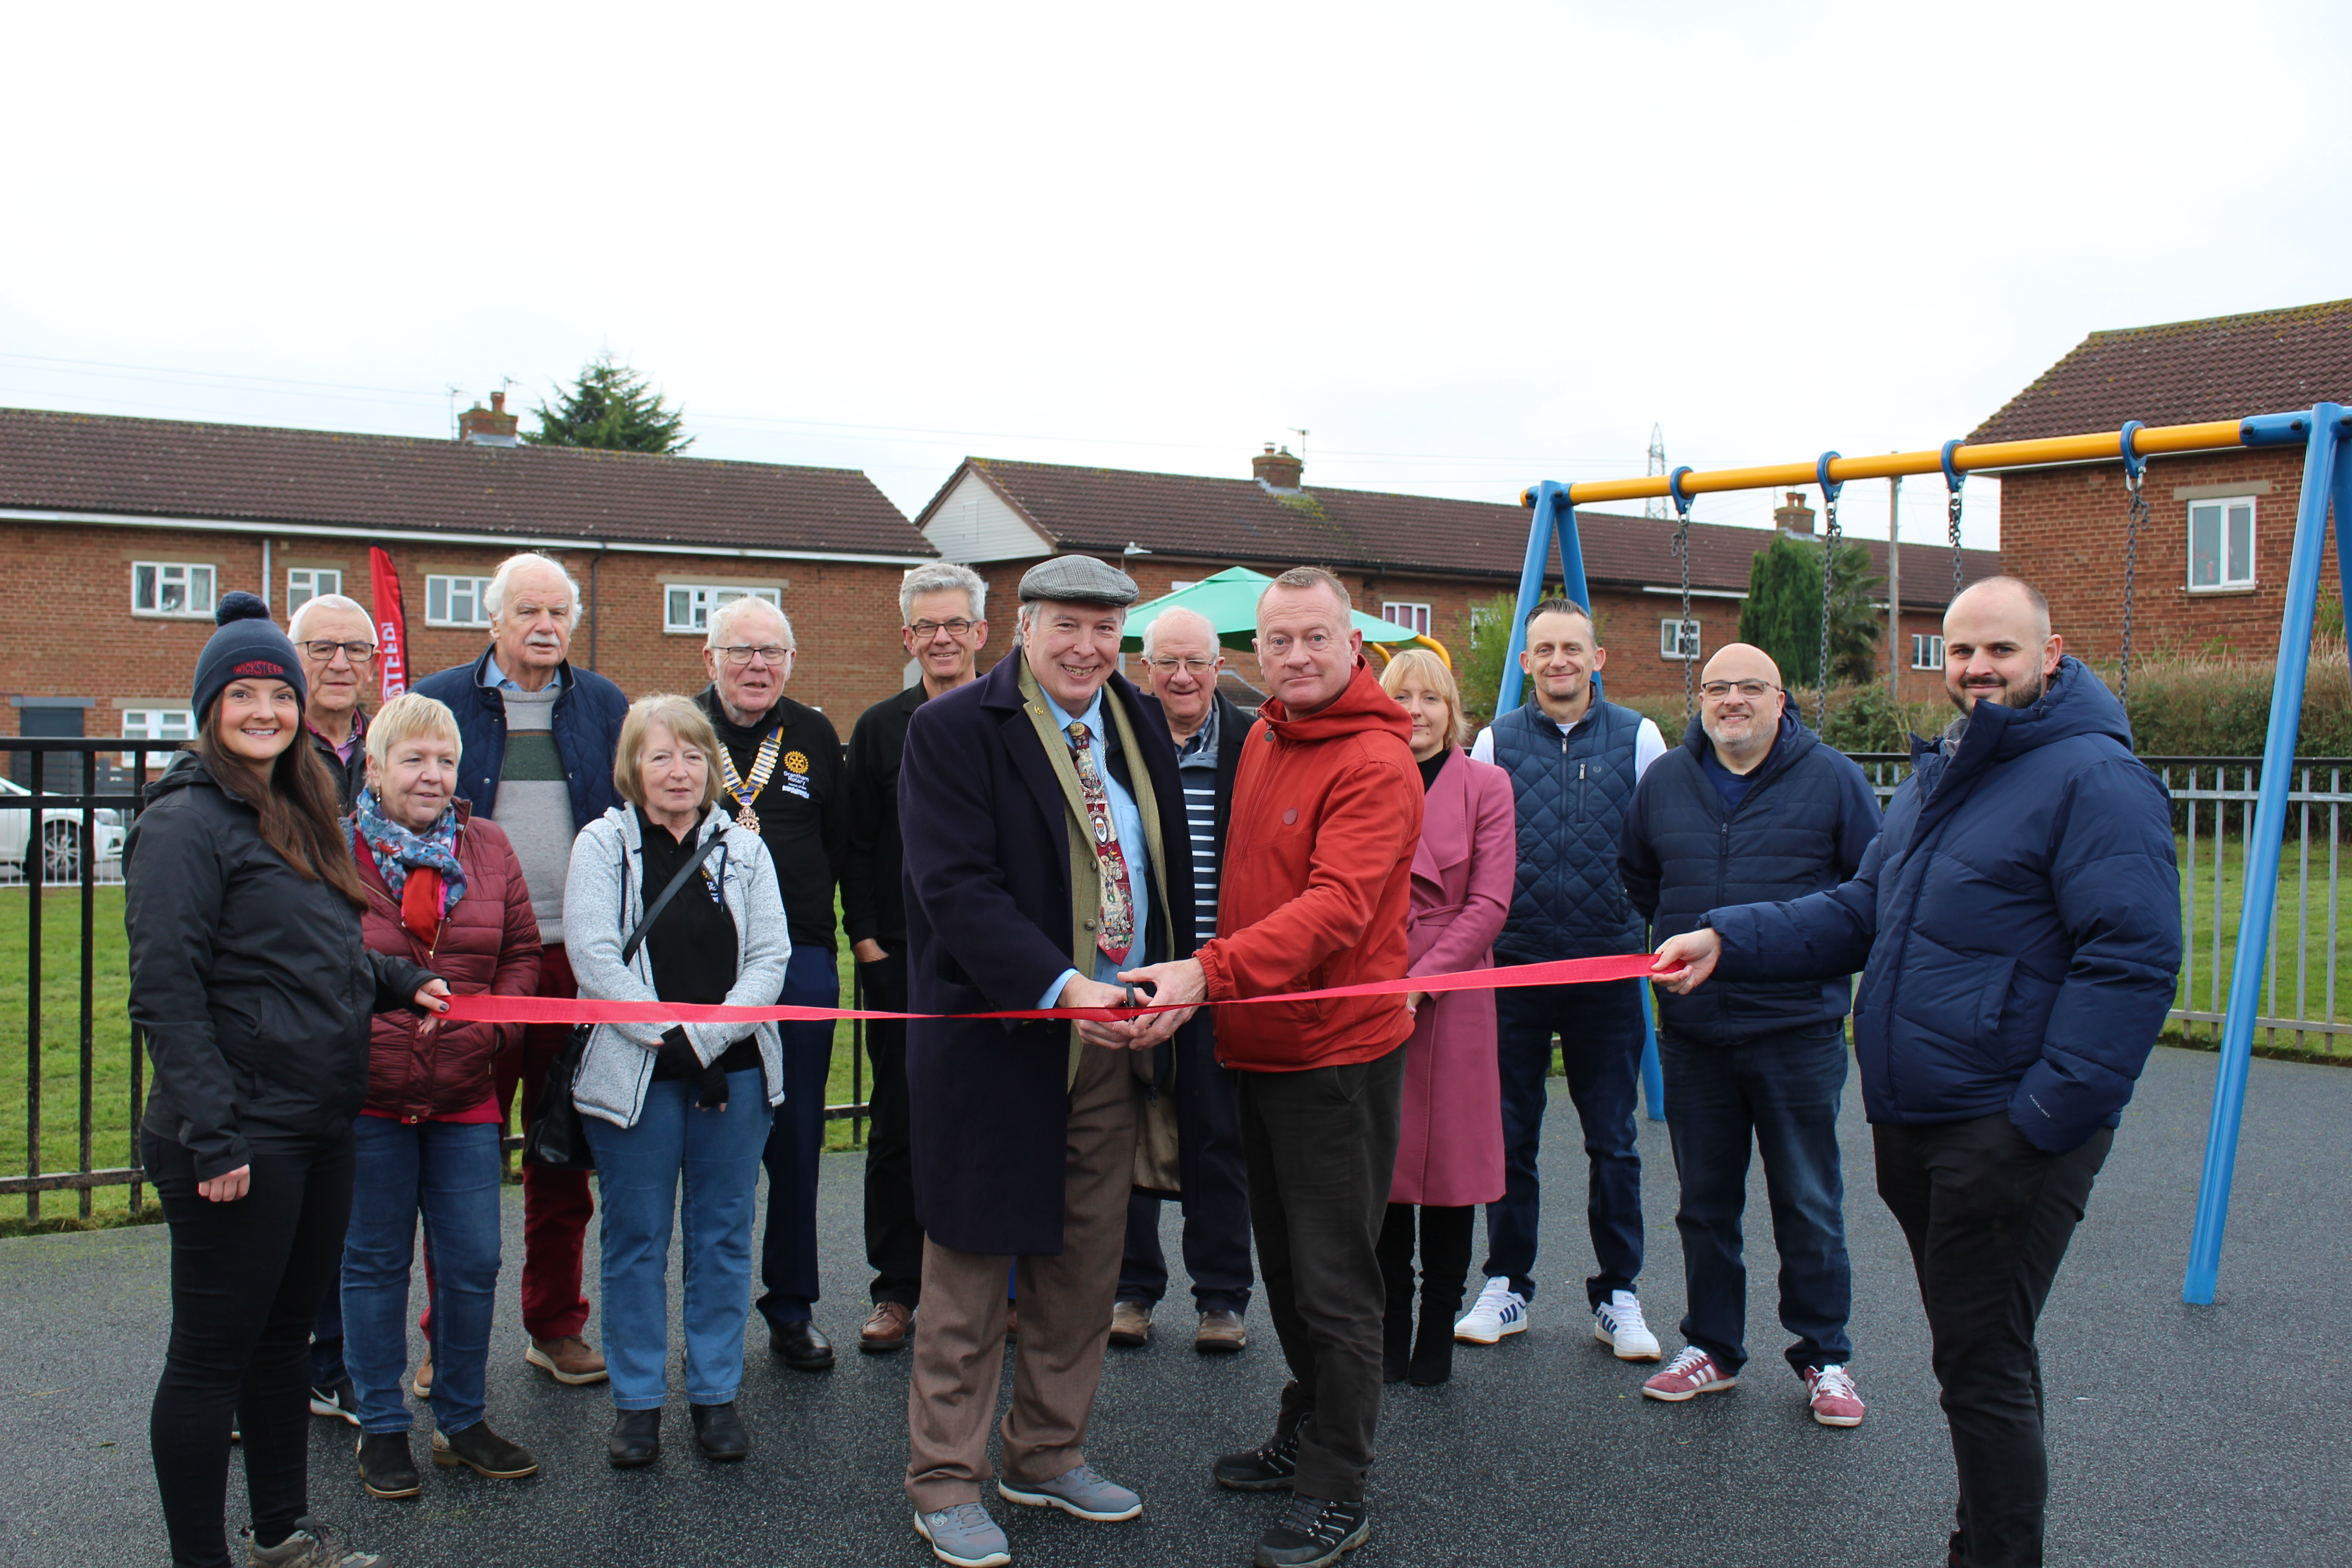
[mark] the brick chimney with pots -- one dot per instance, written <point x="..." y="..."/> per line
<point x="491" y="426"/>
<point x="1796" y="517"/>
<point x="1277" y="469"/>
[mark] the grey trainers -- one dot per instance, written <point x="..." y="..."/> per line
<point x="312" y="1545"/>
<point x="1081" y="1490"/>
<point x="965" y="1536"/>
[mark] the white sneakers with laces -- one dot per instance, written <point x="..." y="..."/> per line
<point x="1617" y="1324"/>
<point x="1499" y="1311"/>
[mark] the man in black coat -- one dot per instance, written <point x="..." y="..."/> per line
<point x="1046" y="846"/>
<point x="1752" y="807"/>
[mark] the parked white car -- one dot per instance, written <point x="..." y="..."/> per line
<point x="61" y="839"/>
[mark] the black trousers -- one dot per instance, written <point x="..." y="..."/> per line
<point x="246" y="1281"/>
<point x="1320" y="1147"/>
<point x="1216" y="1188"/>
<point x="894" y="1237"/>
<point x="1988" y="1216"/>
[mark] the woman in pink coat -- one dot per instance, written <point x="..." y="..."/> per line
<point x="1450" y="1150"/>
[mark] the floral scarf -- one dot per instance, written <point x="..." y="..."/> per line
<point x="425" y="898"/>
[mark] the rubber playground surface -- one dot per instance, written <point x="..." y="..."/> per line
<point x="2179" y="1435"/>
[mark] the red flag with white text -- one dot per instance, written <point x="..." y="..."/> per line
<point x="391" y="623"/>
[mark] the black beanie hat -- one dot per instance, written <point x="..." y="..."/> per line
<point x="248" y="646"/>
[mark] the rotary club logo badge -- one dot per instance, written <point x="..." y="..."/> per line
<point x="794" y="763"/>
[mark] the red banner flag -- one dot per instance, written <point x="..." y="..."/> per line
<point x="391" y="623"/>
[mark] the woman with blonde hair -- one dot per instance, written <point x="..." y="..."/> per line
<point x="672" y="900"/>
<point x="1450" y="1147"/>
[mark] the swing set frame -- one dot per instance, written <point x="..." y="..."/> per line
<point x="2322" y="432"/>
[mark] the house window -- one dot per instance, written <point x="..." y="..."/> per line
<point x="170" y="588"/>
<point x="304" y="584"/>
<point x="2221" y="543"/>
<point x="1411" y="617"/>
<point x="155" y="724"/>
<point x="456" y="602"/>
<point x="1678" y="639"/>
<point x="1178" y="585"/>
<point x="1926" y="651"/>
<point x="687" y="608"/>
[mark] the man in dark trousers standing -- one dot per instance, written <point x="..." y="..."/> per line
<point x="2017" y="925"/>
<point x="781" y="775"/>
<point x="943" y="617"/>
<point x="1751" y="806"/>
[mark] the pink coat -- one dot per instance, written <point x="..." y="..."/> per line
<point x="1450" y="1150"/>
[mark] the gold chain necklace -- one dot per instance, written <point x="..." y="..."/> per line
<point x="747" y="790"/>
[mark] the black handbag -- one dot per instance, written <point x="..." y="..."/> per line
<point x="555" y="1137"/>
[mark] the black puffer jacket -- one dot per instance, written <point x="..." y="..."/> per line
<point x="253" y="986"/>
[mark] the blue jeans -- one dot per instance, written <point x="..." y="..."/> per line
<point x="637" y="1172"/>
<point x="1783" y="1090"/>
<point x="788" y="1246"/>
<point x="1599" y="1029"/>
<point x="449" y="1173"/>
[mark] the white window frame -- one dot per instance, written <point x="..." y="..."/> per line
<point x="156" y="724"/>
<point x="2222" y="506"/>
<point x="1414" y="617"/>
<point x="1927" y="651"/>
<point x="188" y="571"/>
<point x="1688" y="645"/>
<point x="310" y="582"/>
<point x="444" y="584"/>
<point x="701" y="599"/>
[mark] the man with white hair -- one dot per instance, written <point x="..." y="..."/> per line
<point x="336" y="639"/>
<point x="780" y="775"/>
<point x="537" y="737"/>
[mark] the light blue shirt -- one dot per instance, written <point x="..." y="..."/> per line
<point x="497" y="679"/>
<point x="1126" y="826"/>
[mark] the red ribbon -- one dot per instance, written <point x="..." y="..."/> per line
<point x="477" y="1009"/>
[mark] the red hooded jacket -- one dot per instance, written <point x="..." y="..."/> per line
<point x="1318" y="883"/>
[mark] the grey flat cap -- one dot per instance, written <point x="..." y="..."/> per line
<point x="1079" y="579"/>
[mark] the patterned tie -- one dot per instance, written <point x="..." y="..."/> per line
<point x="1116" y="935"/>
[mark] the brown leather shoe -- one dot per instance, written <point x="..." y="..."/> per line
<point x="1130" y="1325"/>
<point x="886" y="1328"/>
<point x="1220" y="1333"/>
<point x="567" y="1359"/>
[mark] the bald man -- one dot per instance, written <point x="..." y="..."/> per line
<point x="2018" y="924"/>
<point x="1752" y="807"/>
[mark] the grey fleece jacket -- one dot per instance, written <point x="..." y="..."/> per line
<point x="604" y="898"/>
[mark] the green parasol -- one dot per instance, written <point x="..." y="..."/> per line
<point x="1229" y="600"/>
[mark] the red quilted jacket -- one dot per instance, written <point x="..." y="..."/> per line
<point x="488" y="943"/>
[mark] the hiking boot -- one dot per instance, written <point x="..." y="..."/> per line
<point x="1082" y="1491"/>
<point x="569" y="1358"/>
<point x="803" y="1347"/>
<point x="1499" y="1311"/>
<point x="1313" y="1531"/>
<point x="886" y="1328"/>
<point x="1694" y="1372"/>
<point x="1268" y="1467"/>
<point x="1220" y="1333"/>
<point x="635" y="1441"/>
<point x="387" y="1469"/>
<point x="341" y="1400"/>
<point x="1130" y="1325"/>
<point x="719" y="1432"/>
<point x="484" y="1452"/>
<point x="1617" y="1324"/>
<point x="1828" y="1392"/>
<point x="965" y="1536"/>
<point x="312" y="1545"/>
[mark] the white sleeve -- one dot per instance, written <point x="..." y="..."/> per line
<point x="1482" y="750"/>
<point x="1649" y="745"/>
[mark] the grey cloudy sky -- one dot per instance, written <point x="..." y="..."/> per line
<point x="1466" y="247"/>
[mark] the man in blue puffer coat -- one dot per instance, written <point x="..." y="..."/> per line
<point x="2019" y="926"/>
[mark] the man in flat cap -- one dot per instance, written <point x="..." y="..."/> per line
<point x="1045" y="844"/>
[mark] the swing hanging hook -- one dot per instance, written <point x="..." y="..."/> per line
<point x="1829" y="487"/>
<point x="1953" y="477"/>
<point x="1675" y="491"/>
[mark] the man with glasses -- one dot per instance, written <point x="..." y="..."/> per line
<point x="1753" y="808"/>
<point x="336" y="638"/>
<point x="1181" y="661"/>
<point x="780" y="776"/>
<point x="943" y="613"/>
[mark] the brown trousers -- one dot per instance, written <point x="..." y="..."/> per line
<point x="1066" y="1304"/>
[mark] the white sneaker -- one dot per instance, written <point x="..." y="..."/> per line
<point x="1499" y="1310"/>
<point x="1617" y="1322"/>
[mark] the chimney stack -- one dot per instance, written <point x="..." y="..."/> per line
<point x="1796" y="517"/>
<point x="491" y="426"/>
<point x="1276" y="470"/>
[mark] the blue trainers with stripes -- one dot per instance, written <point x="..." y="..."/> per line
<point x="1499" y="1311"/>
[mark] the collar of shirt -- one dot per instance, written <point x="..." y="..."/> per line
<point x="1200" y="750"/>
<point x="1062" y="716"/>
<point x="342" y="748"/>
<point x="497" y="679"/>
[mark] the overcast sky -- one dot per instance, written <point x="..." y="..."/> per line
<point x="1466" y="247"/>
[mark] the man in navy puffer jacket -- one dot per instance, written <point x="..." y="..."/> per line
<point x="2019" y="926"/>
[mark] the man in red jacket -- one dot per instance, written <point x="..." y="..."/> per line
<point x="1326" y="814"/>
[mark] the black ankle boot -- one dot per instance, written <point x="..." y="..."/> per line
<point x="635" y="1440"/>
<point x="719" y="1432"/>
<point x="1432" y="1351"/>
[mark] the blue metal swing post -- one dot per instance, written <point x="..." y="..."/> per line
<point x="2319" y="431"/>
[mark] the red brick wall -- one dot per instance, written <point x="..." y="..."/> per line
<point x="64" y="603"/>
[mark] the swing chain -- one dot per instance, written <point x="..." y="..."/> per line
<point x="1689" y="656"/>
<point x="1829" y="570"/>
<point x="2134" y="483"/>
<point x="1952" y="525"/>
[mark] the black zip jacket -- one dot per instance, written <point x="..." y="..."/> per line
<point x="803" y="817"/>
<point x="253" y="986"/>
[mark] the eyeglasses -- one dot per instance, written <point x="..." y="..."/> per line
<point x="926" y="630"/>
<point x="740" y="655"/>
<point x="1717" y="690"/>
<point x="1189" y="666"/>
<point x="357" y="652"/>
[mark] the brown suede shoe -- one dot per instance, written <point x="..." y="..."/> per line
<point x="886" y="1328"/>
<point x="1130" y="1325"/>
<point x="1220" y="1333"/>
<point x="568" y="1360"/>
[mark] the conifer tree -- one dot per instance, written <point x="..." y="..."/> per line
<point x="611" y="407"/>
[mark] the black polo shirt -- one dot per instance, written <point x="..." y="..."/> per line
<point x="802" y="808"/>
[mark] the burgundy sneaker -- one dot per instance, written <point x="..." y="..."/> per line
<point x="1829" y="1389"/>
<point x="1692" y="1373"/>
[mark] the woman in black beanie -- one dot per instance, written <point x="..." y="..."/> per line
<point x="255" y="992"/>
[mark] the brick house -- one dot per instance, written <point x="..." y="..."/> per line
<point x="122" y="533"/>
<point x="1421" y="562"/>
<point x="2211" y="569"/>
